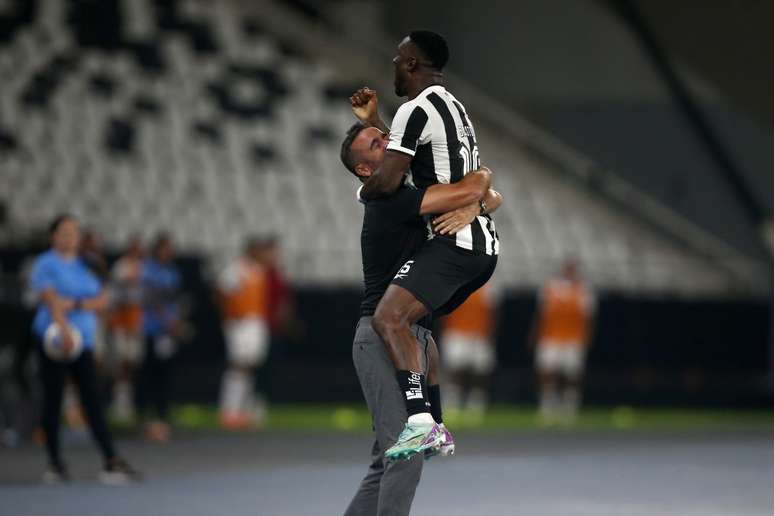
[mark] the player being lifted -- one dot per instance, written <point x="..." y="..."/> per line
<point x="432" y="140"/>
<point x="393" y="230"/>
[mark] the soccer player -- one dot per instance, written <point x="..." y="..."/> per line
<point x="392" y="231"/>
<point x="469" y="353"/>
<point x="562" y="330"/>
<point x="71" y="295"/>
<point x="244" y="290"/>
<point x="126" y="327"/>
<point x="432" y="139"/>
<point x="162" y="325"/>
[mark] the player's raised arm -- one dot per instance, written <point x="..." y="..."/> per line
<point x="365" y="106"/>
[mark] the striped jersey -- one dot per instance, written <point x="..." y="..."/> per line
<point x="435" y="129"/>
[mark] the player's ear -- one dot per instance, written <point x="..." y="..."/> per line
<point x="363" y="170"/>
<point x="411" y="64"/>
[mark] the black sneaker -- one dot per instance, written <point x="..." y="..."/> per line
<point x="118" y="472"/>
<point x="56" y="474"/>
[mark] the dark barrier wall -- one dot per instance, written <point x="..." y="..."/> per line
<point x="645" y="350"/>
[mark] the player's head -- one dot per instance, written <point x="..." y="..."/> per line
<point x="570" y="270"/>
<point x="65" y="233"/>
<point x="421" y="54"/>
<point x="362" y="150"/>
<point x="254" y="247"/>
<point x="134" y="248"/>
<point x="163" y="249"/>
<point x="271" y="250"/>
<point x="91" y="241"/>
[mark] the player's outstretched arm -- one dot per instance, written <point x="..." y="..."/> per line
<point x="444" y="198"/>
<point x="365" y="106"/>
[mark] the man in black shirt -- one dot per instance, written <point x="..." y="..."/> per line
<point x="393" y="230"/>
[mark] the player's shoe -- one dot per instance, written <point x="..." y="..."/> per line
<point x="445" y="448"/>
<point x="56" y="474"/>
<point x="118" y="472"/>
<point x="415" y="438"/>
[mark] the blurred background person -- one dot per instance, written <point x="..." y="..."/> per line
<point x="285" y="326"/>
<point x="162" y="327"/>
<point x="281" y="308"/>
<point x="17" y="387"/>
<point x="244" y="292"/>
<point x="70" y="296"/>
<point x="126" y="327"/>
<point x="469" y="353"/>
<point x="91" y="253"/>
<point x="560" y="335"/>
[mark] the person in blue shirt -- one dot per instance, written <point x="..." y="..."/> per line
<point x="69" y="294"/>
<point x="162" y="327"/>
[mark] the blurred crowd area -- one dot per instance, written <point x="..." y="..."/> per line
<point x="155" y="310"/>
<point x="148" y="316"/>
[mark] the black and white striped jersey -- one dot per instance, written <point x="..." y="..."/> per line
<point x="435" y="129"/>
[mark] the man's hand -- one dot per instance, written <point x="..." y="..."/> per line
<point x="364" y="106"/>
<point x="454" y="221"/>
<point x="67" y="338"/>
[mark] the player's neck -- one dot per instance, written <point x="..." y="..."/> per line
<point x="422" y="85"/>
<point x="65" y="254"/>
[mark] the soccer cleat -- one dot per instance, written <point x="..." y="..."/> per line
<point x="445" y="448"/>
<point x="118" y="472"/>
<point x="415" y="438"/>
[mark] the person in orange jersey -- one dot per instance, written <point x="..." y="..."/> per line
<point x="561" y="333"/>
<point x="126" y="327"/>
<point x="469" y="353"/>
<point x="244" y="291"/>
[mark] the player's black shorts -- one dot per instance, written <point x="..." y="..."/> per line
<point x="442" y="276"/>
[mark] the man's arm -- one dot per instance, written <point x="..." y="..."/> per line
<point x="365" y="107"/>
<point x="388" y="177"/>
<point x="469" y="190"/>
<point x="452" y="222"/>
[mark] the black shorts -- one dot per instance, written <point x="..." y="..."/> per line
<point x="442" y="276"/>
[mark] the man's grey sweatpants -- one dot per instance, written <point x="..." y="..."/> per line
<point x="388" y="488"/>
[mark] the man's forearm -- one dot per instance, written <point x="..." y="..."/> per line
<point x="492" y="199"/>
<point x="388" y="177"/>
<point x="379" y="124"/>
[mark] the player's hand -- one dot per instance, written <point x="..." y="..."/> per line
<point x="67" y="339"/>
<point x="454" y="221"/>
<point x="364" y="105"/>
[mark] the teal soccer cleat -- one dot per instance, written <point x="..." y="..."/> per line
<point x="414" y="439"/>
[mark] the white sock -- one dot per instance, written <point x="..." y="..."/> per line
<point x="244" y="391"/>
<point x="549" y="402"/>
<point x="423" y="418"/>
<point x="571" y="402"/>
<point x="123" y="404"/>
<point x="230" y="392"/>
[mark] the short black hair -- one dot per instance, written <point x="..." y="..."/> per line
<point x="346" y="146"/>
<point x="162" y="238"/>
<point x="432" y="45"/>
<point x="58" y="220"/>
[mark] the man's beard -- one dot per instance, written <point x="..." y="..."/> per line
<point x="400" y="90"/>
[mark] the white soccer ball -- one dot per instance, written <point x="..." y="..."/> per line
<point x="52" y="344"/>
